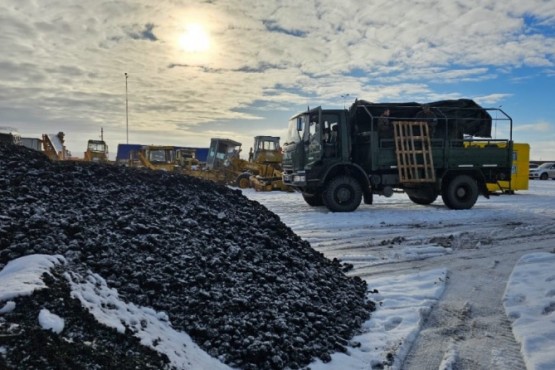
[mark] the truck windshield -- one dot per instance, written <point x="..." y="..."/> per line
<point x="295" y="129"/>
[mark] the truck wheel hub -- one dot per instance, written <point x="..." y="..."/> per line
<point x="343" y="195"/>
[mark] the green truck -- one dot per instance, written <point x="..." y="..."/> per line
<point x="340" y="157"/>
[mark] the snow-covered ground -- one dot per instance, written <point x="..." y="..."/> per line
<point x="471" y="289"/>
<point x="450" y="284"/>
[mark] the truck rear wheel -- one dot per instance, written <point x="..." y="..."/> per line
<point x="342" y="194"/>
<point x="461" y="192"/>
<point x="313" y="200"/>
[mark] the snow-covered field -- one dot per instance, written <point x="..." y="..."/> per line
<point x="472" y="289"/>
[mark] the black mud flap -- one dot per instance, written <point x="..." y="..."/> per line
<point x="368" y="197"/>
<point x="484" y="189"/>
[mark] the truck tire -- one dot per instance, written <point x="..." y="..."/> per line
<point x="460" y="193"/>
<point x="423" y="196"/>
<point x="423" y="200"/>
<point x="342" y="194"/>
<point x="313" y="200"/>
<point x="543" y="176"/>
<point x="243" y="181"/>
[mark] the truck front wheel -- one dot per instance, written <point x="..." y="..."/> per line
<point x="461" y="192"/>
<point x="342" y="194"/>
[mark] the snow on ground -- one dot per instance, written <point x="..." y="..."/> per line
<point x="51" y="321"/>
<point x="404" y="302"/>
<point x="23" y="275"/>
<point x="393" y="236"/>
<point x="530" y="304"/>
<point x="151" y="327"/>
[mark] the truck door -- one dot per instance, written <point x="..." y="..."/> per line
<point x="314" y="136"/>
<point x="331" y="139"/>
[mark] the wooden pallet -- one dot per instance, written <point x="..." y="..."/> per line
<point x="414" y="152"/>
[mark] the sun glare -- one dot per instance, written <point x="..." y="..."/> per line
<point x="195" y="39"/>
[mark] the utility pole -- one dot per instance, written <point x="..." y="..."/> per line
<point x="126" y="110"/>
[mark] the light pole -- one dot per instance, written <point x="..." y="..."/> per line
<point x="345" y="96"/>
<point x="126" y="111"/>
<point x="495" y="129"/>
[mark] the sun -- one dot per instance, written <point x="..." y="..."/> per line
<point x="195" y="39"/>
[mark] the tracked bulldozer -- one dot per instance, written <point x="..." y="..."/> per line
<point x="223" y="163"/>
<point x="183" y="160"/>
<point x="267" y="156"/>
<point x="262" y="171"/>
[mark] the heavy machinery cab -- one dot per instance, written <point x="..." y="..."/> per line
<point x="97" y="146"/>
<point x="267" y="149"/>
<point x="186" y="157"/>
<point x="97" y="151"/>
<point x="156" y="157"/>
<point x="222" y="152"/>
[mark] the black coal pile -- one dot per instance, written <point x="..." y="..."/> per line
<point x="223" y="268"/>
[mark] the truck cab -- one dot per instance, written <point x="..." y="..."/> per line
<point x="312" y="137"/>
<point x="318" y="148"/>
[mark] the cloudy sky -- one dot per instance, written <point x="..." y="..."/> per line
<point x="240" y="68"/>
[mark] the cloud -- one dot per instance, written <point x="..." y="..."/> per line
<point x="491" y="99"/>
<point x="541" y="127"/>
<point x="62" y="66"/>
<point x="146" y="33"/>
